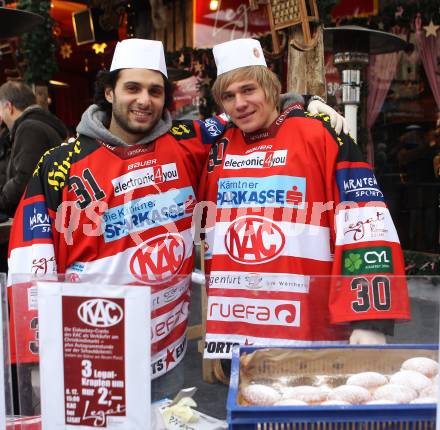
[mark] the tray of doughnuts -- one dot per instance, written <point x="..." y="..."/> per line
<point x="392" y="384"/>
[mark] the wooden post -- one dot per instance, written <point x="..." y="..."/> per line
<point x="306" y="69"/>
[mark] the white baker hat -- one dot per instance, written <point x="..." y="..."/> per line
<point x="139" y="54"/>
<point x="238" y="53"/>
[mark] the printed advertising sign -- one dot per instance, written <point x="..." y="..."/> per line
<point x="230" y="20"/>
<point x="94" y="356"/>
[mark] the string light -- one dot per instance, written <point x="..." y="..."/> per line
<point x="213" y="5"/>
<point x="58" y="83"/>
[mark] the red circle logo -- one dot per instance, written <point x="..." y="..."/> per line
<point x="158" y="259"/>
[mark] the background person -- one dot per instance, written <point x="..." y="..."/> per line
<point x="33" y="131"/>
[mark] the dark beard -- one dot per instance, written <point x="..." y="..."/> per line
<point x="124" y="125"/>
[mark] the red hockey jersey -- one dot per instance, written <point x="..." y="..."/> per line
<point x="121" y="213"/>
<point x="300" y="241"/>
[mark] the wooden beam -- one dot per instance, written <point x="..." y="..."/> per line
<point x="306" y="69"/>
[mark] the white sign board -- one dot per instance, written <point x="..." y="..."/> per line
<point x="2" y="362"/>
<point x="94" y="356"/>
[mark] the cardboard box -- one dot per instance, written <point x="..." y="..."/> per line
<point x="266" y="364"/>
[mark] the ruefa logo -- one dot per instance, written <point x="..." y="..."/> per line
<point x="262" y="312"/>
<point x="254" y="240"/>
<point x="158" y="259"/>
<point x="100" y="313"/>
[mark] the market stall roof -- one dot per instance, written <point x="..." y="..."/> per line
<point x="15" y="22"/>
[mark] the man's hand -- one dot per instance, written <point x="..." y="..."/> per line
<point x="367" y="337"/>
<point x="338" y="122"/>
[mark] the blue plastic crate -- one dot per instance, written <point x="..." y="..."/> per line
<point x="366" y="417"/>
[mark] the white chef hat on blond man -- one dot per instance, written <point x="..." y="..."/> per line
<point x="238" y="53"/>
<point x="139" y="54"/>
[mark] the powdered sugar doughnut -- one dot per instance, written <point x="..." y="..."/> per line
<point x="306" y="393"/>
<point x="411" y="378"/>
<point x="396" y="393"/>
<point x="351" y="394"/>
<point x="260" y="395"/>
<point x="335" y="403"/>
<point x="424" y="365"/>
<point x="424" y="400"/>
<point x="368" y="380"/>
<point x="431" y="391"/>
<point x="290" y="402"/>
<point x="381" y="402"/>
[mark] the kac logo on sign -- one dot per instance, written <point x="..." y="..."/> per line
<point x="158" y="259"/>
<point x="100" y="313"/>
<point x="254" y="240"/>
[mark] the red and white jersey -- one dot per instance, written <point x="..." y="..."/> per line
<point x="121" y="213"/>
<point x="283" y="225"/>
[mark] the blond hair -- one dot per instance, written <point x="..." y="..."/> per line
<point x="267" y="80"/>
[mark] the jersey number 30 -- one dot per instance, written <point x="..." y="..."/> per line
<point x="376" y="295"/>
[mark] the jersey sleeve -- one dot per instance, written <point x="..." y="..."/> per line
<point x="31" y="255"/>
<point x="31" y="245"/>
<point x="368" y="281"/>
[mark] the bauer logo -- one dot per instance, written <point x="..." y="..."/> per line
<point x="254" y="240"/>
<point x="100" y="313"/>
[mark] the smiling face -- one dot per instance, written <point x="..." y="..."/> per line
<point x="247" y="105"/>
<point x="137" y="103"/>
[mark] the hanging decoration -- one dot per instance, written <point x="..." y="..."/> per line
<point x="99" y="48"/>
<point x="431" y="29"/>
<point x="66" y="51"/>
<point x="399" y="12"/>
<point x="56" y="30"/>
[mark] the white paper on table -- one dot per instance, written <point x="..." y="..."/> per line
<point x="204" y="422"/>
<point x="81" y="328"/>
